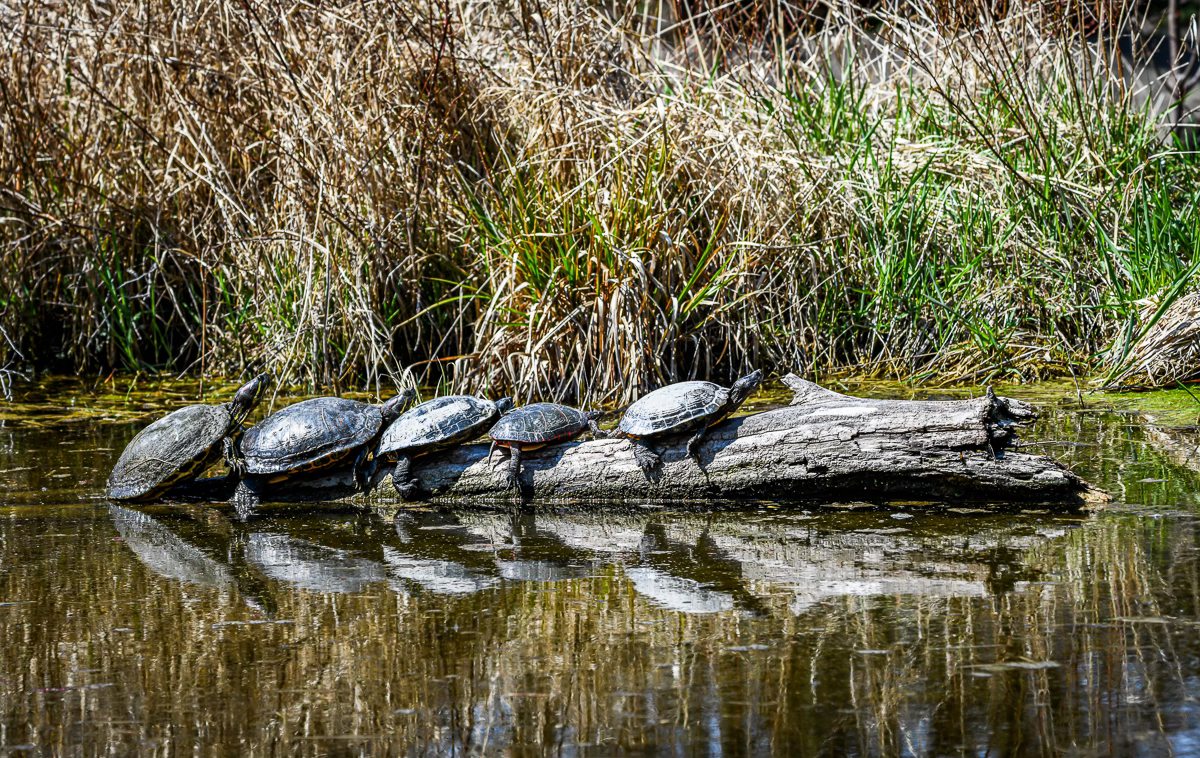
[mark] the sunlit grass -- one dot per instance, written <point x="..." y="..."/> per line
<point x="580" y="203"/>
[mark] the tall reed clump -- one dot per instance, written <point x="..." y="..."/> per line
<point x="578" y="199"/>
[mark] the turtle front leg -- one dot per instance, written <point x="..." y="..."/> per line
<point x="512" y="474"/>
<point x="233" y="457"/>
<point x="693" y="445"/>
<point x="597" y="432"/>
<point x="647" y="459"/>
<point x="374" y="471"/>
<point x="246" y="498"/>
<point x="402" y="478"/>
<point x="361" y="473"/>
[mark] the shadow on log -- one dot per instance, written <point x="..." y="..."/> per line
<point x="822" y="446"/>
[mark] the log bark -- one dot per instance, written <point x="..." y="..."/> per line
<point x="822" y="446"/>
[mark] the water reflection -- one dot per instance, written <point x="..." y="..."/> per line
<point x="829" y="632"/>
<point x="689" y="563"/>
<point x="311" y="566"/>
<point x="677" y="593"/>
<point x="441" y="577"/>
<point x="165" y="553"/>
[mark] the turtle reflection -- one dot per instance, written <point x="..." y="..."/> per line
<point x="197" y="546"/>
<point x="167" y="554"/>
<point x="688" y="563"/>
<point x="309" y="565"/>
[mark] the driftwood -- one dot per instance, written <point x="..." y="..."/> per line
<point x="823" y="446"/>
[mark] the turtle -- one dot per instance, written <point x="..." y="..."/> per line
<point x="681" y="408"/>
<point x="436" y="425"/>
<point x="311" y="436"/>
<point x="532" y="426"/>
<point x="179" y="446"/>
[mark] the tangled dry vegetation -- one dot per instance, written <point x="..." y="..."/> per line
<point x="1167" y="353"/>
<point x="576" y="198"/>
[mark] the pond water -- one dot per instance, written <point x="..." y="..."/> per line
<point x="840" y="630"/>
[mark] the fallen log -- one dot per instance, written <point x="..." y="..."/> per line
<point x="822" y="446"/>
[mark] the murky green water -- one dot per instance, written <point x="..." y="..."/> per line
<point x="815" y="632"/>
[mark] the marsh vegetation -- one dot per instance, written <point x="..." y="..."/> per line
<point x="583" y="198"/>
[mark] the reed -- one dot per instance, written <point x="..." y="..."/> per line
<point x="578" y="200"/>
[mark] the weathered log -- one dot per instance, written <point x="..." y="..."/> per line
<point x="823" y="446"/>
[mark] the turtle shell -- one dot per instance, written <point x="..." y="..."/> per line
<point x="175" y="447"/>
<point x="309" y="435"/>
<point x="439" y="423"/>
<point x="539" y="424"/>
<point x="675" y="408"/>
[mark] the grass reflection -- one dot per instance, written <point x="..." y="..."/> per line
<point x="954" y="635"/>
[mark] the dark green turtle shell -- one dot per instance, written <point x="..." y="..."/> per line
<point x="675" y="408"/>
<point x="439" y="423"/>
<point x="539" y="424"/>
<point x="176" y="447"/>
<point x="310" y="435"/>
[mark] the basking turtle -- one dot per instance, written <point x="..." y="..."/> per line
<point x="438" y="424"/>
<point x="180" y="445"/>
<point x="532" y="426"/>
<point x="310" y="436"/>
<point x="680" y="409"/>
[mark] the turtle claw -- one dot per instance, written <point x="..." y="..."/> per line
<point x="233" y="458"/>
<point x="511" y="480"/>
<point x="362" y="471"/>
<point x="647" y="459"/>
<point x="402" y="478"/>
<point x="406" y="490"/>
<point x="512" y="473"/>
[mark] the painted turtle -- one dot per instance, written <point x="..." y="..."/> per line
<point x="686" y="407"/>
<point x="436" y="425"/>
<point x="311" y="436"/>
<point x="179" y="446"/>
<point x="532" y="426"/>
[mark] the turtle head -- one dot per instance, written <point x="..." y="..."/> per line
<point x="392" y="409"/>
<point x="248" y="396"/>
<point x="504" y="405"/>
<point x="593" y="427"/>
<point x="744" y="387"/>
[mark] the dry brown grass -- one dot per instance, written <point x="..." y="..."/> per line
<point x="1168" y="351"/>
<point x="571" y="198"/>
